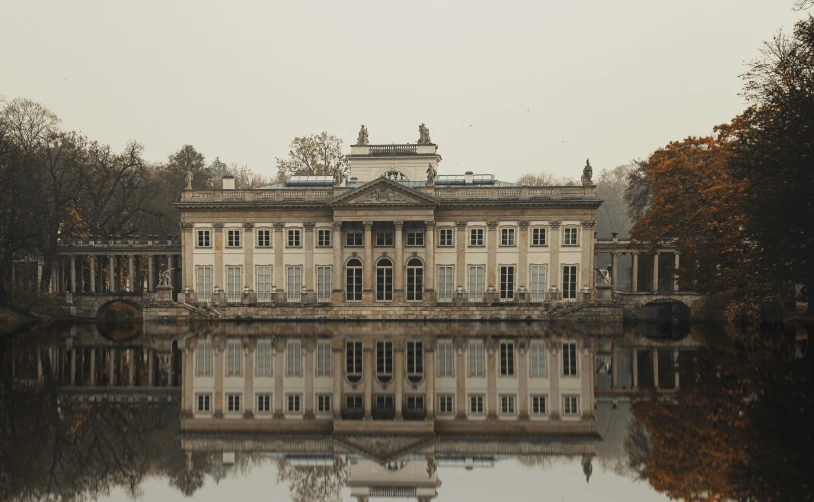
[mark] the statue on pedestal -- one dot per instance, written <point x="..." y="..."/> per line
<point x="210" y="184"/>
<point x="431" y="173"/>
<point x="587" y="173"/>
<point x="339" y="177"/>
<point x="164" y="278"/>
<point x="189" y="180"/>
<point x="604" y="277"/>
<point x="424" y="135"/>
<point x="362" y="138"/>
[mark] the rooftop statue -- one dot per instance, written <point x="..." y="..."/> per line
<point x="339" y="177"/>
<point x="210" y="184"/>
<point x="189" y="180"/>
<point x="431" y="173"/>
<point x="587" y="173"/>
<point x="424" y="135"/>
<point x="362" y="138"/>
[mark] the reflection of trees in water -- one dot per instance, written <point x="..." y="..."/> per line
<point x="314" y="483"/>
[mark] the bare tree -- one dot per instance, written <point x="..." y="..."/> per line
<point x="314" y="155"/>
<point x="543" y="178"/>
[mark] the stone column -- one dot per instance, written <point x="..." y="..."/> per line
<point x="675" y="276"/>
<point x="368" y="279"/>
<point x="248" y="255"/>
<point x="249" y="350"/>
<point x="170" y="267"/>
<point x="150" y="266"/>
<point x="368" y="375"/>
<point x="131" y="285"/>
<point x="217" y="230"/>
<point x="111" y="276"/>
<point x="398" y="375"/>
<point x="656" y="367"/>
<point x="614" y="368"/>
<point x="337" y="293"/>
<point x="429" y="269"/>
<point x="218" y="346"/>
<point x="309" y="274"/>
<point x="308" y="373"/>
<point x="111" y="367"/>
<point x="634" y="354"/>
<point x="554" y="248"/>
<point x="523" y="380"/>
<point x="151" y="368"/>
<point x="491" y="257"/>
<point x="656" y="272"/>
<point x="460" y="378"/>
<point x="279" y="375"/>
<point x="586" y="380"/>
<point x="72" y="352"/>
<point x="92" y="367"/>
<point x="587" y="265"/>
<point x="615" y="271"/>
<point x="634" y="280"/>
<point x="523" y="255"/>
<point x="491" y="379"/>
<point x="187" y="246"/>
<point x="338" y="377"/>
<point x="554" y="369"/>
<point x="131" y="367"/>
<point x="460" y="255"/>
<point x="188" y="375"/>
<point x="675" y="367"/>
<point x="279" y="264"/>
<point x="429" y="350"/>
<point x="72" y="261"/>
<point x="398" y="266"/>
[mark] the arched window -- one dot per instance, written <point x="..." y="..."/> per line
<point x="384" y="280"/>
<point x="415" y="280"/>
<point x="353" y="281"/>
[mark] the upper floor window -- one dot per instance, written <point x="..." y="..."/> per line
<point x="384" y="360"/>
<point x="569" y="359"/>
<point x="446" y="358"/>
<point x="476" y="236"/>
<point x="506" y="358"/>
<point x="233" y="238"/>
<point x="264" y="358"/>
<point x="294" y="358"/>
<point x="323" y="357"/>
<point x="476" y="358"/>
<point x="264" y="238"/>
<point x="384" y="238"/>
<point x="415" y="361"/>
<point x="323" y="237"/>
<point x="396" y="175"/>
<point x="570" y="236"/>
<point x="354" y="237"/>
<point x="538" y="237"/>
<point x="204" y="238"/>
<point x="537" y="358"/>
<point x="234" y="356"/>
<point x="204" y="356"/>
<point x="445" y="238"/>
<point x="294" y="238"/>
<point x="507" y="237"/>
<point x="415" y="237"/>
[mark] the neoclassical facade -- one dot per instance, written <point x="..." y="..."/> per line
<point x="393" y="231"/>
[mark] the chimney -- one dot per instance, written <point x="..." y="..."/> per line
<point x="228" y="182"/>
<point x="470" y="177"/>
<point x="615" y="237"/>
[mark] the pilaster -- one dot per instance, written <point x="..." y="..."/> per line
<point x="188" y="245"/>
<point x="308" y="374"/>
<point x="368" y="372"/>
<point x="248" y="256"/>
<point x="554" y="254"/>
<point x="460" y="255"/>
<point x="217" y="230"/>
<point x="279" y="248"/>
<point x="429" y="269"/>
<point x="491" y="378"/>
<point x="398" y="266"/>
<point x="369" y="267"/>
<point x="523" y="379"/>
<point x="491" y="259"/>
<point x="587" y="266"/>
<point x="337" y="295"/>
<point x="634" y="271"/>
<point x="249" y="353"/>
<point x="523" y="255"/>
<point x="554" y="370"/>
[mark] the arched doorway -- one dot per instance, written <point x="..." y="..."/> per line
<point x="353" y="280"/>
<point x="384" y="280"/>
<point x="415" y="280"/>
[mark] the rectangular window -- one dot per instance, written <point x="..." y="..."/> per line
<point x="476" y="237"/>
<point x="204" y="403"/>
<point x="569" y="236"/>
<point x="569" y="359"/>
<point x="384" y="360"/>
<point x="384" y="238"/>
<point x="354" y="237"/>
<point x="507" y="282"/>
<point x="507" y="402"/>
<point x="263" y="403"/>
<point x="204" y="284"/>
<point x="445" y="287"/>
<point x="264" y="238"/>
<point x="323" y="284"/>
<point x="446" y="359"/>
<point x="204" y="358"/>
<point x="569" y="281"/>
<point x="445" y="237"/>
<point x="263" y="358"/>
<point x="415" y="403"/>
<point x="294" y="238"/>
<point x="323" y="357"/>
<point x="537" y="358"/>
<point x="446" y="404"/>
<point x="323" y="403"/>
<point x="507" y="237"/>
<point x="354" y="403"/>
<point x="476" y="283"/>
<point x="204" y="238"/>
<point x="353" y="361"/>
<point x="476" y="404"/>
<point x="415" y="360"/>
<point x="538" y="405"/>
<point x="538" y="277"/>
<point x="384" y="403"/>
<point x="264" y="284"/>
<point x="294" y="283"/>
<point x="506" y="358"/>
<point x="294" y="403"/>
<point x="233" y="403"/>
<point x="570" y="405"/>
<point x="476" y="358"/>
<point x="233" y="238"/>
<point x="234" y="284"/>
<point x="323" y="237"/>
<point x="538" y="237"/>
<point x="293" y="358"/>
<point x="415" y="237"/>
<point x="234" y="357"/>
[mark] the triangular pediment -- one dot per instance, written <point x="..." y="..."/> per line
<point x="384" y="448"/>
<point x="384" y="191"/>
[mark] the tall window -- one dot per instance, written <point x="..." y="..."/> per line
<point x="506" y="358"/>
<point x="446" y="359"/>
<point x="353" y="361"/>
<point x="353" y="281"/>
<point x="415" y="403"/>
<point x="204" y="403"/>
<point x="476" y="283"/>
<point x="234" y="286"/>
<point x="263" y="403"/>
<point x="476" y="404"/>
<point x="507" y="282"/>
<point x="384" y="403"/>
<point x="537" y="358"/>
<point x="569" y="281"/>
<point x="476" y="237"/>
<point x="384" y="238"/>
<point x="507" y="404"/>
<point x="294" y="238"/>
<point x="233" y="403"/>
<point x="569" y="236"/>
<point x="476" y="358"/>
<point x="323" y="403"/>
<point x="323" y="284"/>
<point x="538" y="282"/>
<point x="569" y="359"/>
<point x="323" y="357"/>
<point x="354" y="402"/>
<point x="445" y="236"/>
<point x="294" y="403"/>
<point x="263" y="358"/>
<point x="354" y="237"/>
<point x="415" y="280"/>
<point x="507" y="237"/>
<point x="415" y="361"/>
<point x="570" y="405"/>
<point x="445" y="287"/>
<point x="384" y="280"/>
<point x="204" y="238"/>
<point x="294" y="283"/>
<point x="204" y="283"/>
<point x="384" y="360"/>
<point x="446" y="404"/>
<point x="233" y="238"/>
<point x="538" y="237"/>
<point x="323" y="237"/>
<point x="415" y="237"/>
<point x="264" y="238"/>
<point x="264" y="284"/>
<point x="234" y="357"/>
<point x="538" y="405"/>
<point x="293" y="358"/>
<point x="203" y="366"/>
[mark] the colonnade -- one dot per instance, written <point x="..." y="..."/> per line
<point x="112" y="273"/>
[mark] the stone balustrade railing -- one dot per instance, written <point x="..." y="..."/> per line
<point x="254" y="195"/>
<point x="124" y="242"/>
<point x="513" y="193"/>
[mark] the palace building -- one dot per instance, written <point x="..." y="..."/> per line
<point x="393" y="231"/>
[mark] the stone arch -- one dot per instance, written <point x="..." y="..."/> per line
<point x="666" y="310"/>
<point x="119" y="309"/>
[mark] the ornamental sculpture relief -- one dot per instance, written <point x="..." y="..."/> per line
<point x="382" y="195"/>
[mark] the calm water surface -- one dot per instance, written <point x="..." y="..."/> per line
<point x="405" y="411"/>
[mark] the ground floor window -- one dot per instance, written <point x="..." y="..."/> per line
<point x="538" y="405"/>
<point x="323" y="284"/>
<point x="445" y="287"/>
<point x="263" y="403"/>
<point x="234" y="286"/>
<point x="446" y="404"/>
<point x="476" y="404"/>
<point x="476" y="283"/>
<point x="204" y="403"/>
<point x="353" y="281"/>
<point x="507" y="404"/>
<point x="294" y="403"/>
<point x="204" y="285"/>
<point x="537" y="290"/>
<point x="570" y="405"/>
<point x="415" y="403"/>
<point x="507" y="282"/>
<point x="323" y="403"/>
<point x="233" y="403"/>
<point x="294" y="283"/>
<point x="415" y="280"/>
<point x="384" y="280"/>
<point x="263" y="284"/>
<point x="569" y="281"/>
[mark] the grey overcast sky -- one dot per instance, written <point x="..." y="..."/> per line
<point x="504" y="87"/>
